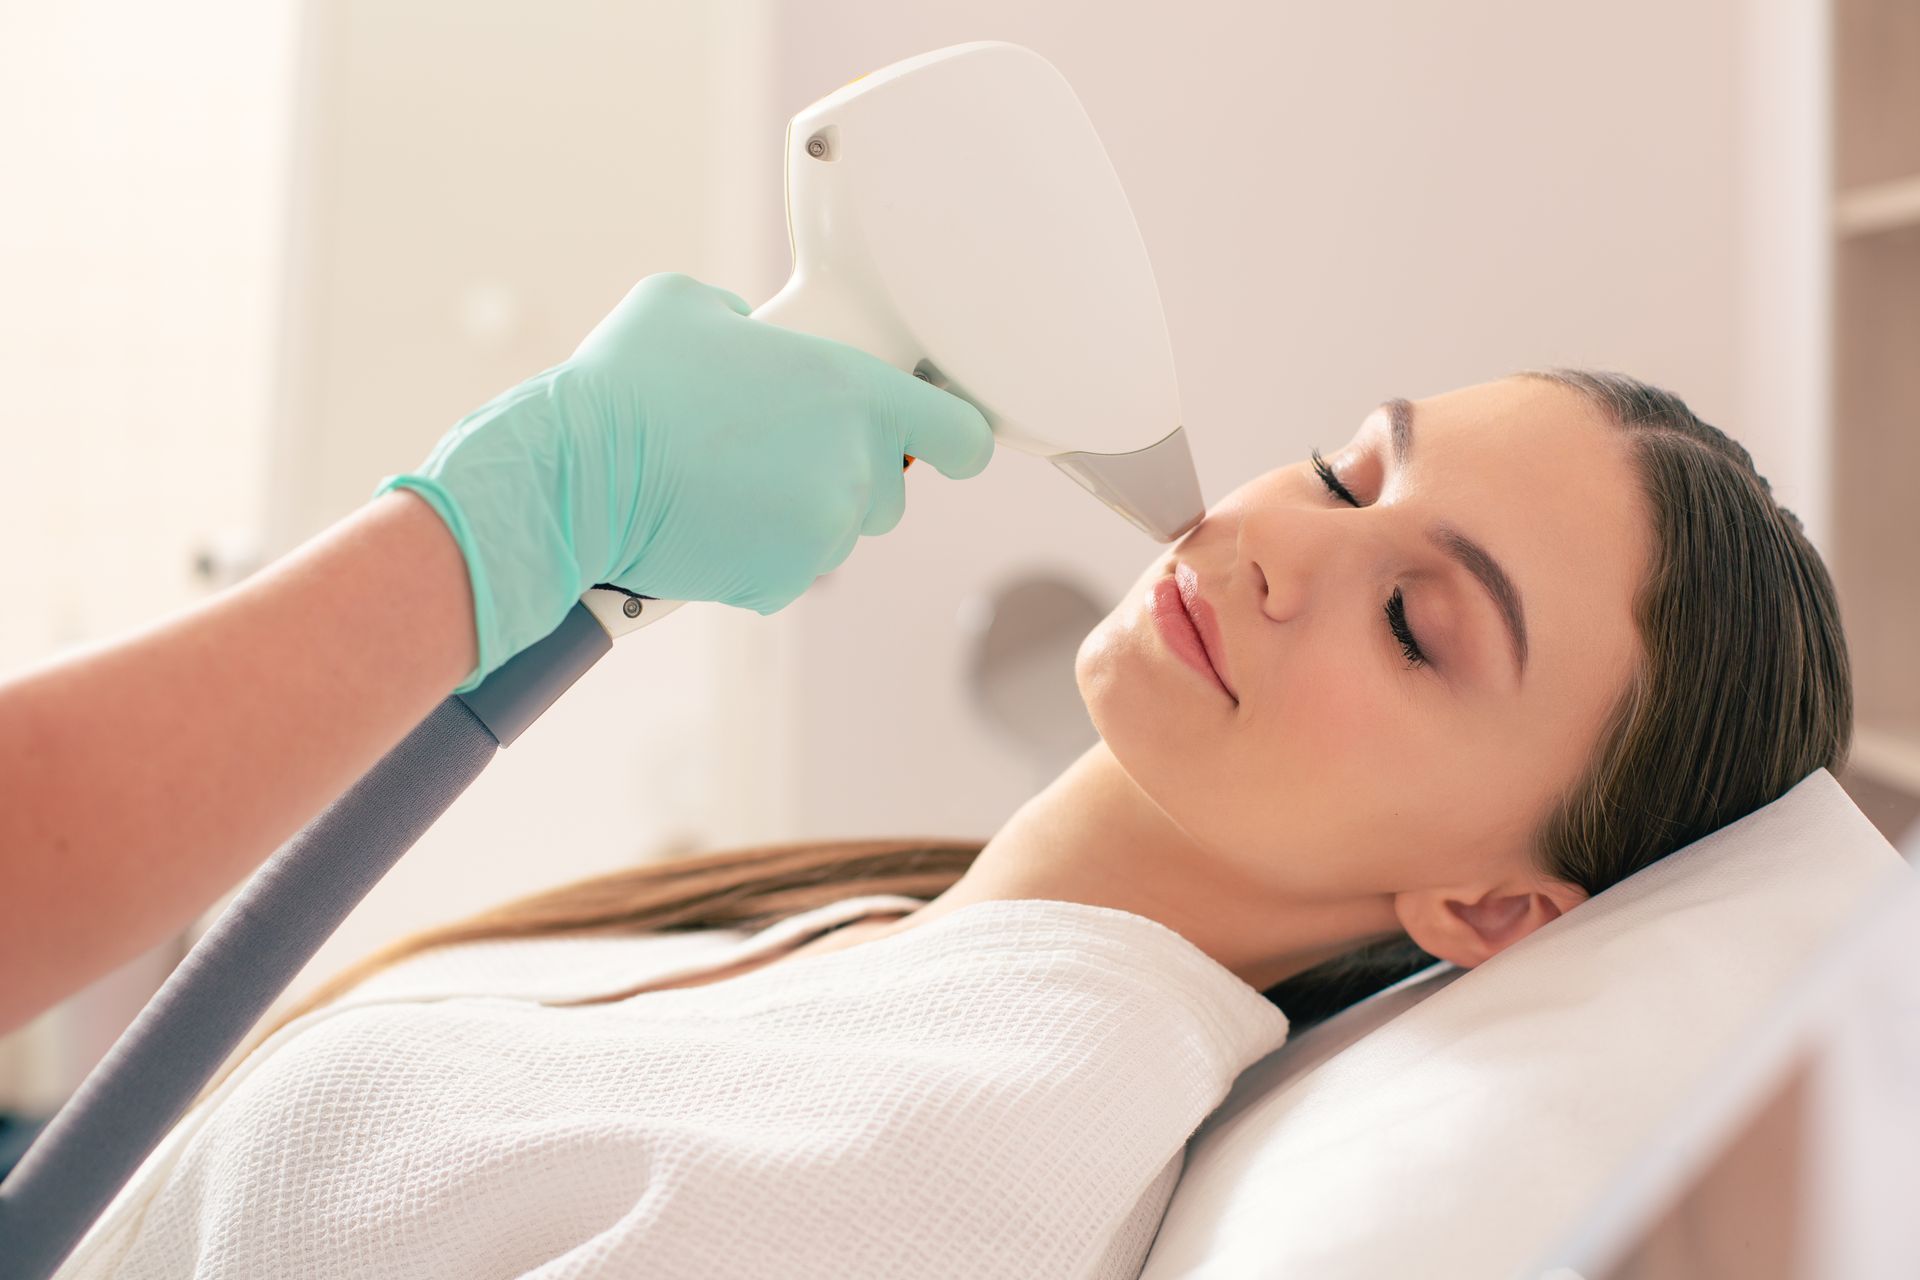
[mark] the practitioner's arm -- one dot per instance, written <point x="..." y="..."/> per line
<point x="141" y="779"/>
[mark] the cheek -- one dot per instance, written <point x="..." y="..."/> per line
<point x="1321" y="706"/>
<point x="1322" y="786"/>
<point x="1312" y="739"/>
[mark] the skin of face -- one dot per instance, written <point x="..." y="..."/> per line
<point x="1348" y="795"/>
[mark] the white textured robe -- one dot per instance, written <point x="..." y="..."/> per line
<point x="1004" y="1091"/>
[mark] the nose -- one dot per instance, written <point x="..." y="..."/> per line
<point x="1290" y="552"/>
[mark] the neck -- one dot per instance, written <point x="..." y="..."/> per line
<point x="1093" y="836"/>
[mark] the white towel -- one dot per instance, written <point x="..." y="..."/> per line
<point x="1004" y="1091"/>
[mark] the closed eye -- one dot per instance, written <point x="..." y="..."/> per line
<point x="1396" y="608"/>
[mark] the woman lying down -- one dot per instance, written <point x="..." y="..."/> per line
<point x="1503" y="649"/>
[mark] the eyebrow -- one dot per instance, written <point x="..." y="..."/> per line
<point x="1473" y="557"/>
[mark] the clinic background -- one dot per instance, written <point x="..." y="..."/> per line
<point x="258" y="254"/>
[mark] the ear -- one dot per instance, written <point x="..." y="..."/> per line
<point x="1467" y="925"/>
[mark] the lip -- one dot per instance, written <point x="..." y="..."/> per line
<point x="1182" y="631"/>
<point x="1205" y="622"/>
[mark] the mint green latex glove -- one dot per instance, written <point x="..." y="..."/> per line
<point x="685" y="451"/>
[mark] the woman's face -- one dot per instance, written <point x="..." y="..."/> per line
<point x="1340" y="765"/>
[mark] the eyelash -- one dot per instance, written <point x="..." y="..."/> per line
<point x="1396" y="609"/>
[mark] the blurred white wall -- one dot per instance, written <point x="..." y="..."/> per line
<point x="267" y="253"/>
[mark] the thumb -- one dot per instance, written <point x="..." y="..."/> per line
<point x="944" y="429"/>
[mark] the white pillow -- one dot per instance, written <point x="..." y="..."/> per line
<point x="1462" y="1122"/>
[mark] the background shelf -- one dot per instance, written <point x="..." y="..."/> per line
<point x="1874" y="407"/>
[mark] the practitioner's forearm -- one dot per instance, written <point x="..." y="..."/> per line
<point x="142" y="778"/>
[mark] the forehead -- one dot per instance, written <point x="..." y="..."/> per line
<point x="1542" y="478"/>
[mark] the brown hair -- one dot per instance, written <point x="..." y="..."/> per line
<point x="1743" y="690"/>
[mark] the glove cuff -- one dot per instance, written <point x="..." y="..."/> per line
<point x="489" y="645"/>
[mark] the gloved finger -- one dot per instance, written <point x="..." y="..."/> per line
<point x="889" y="503"/>
<point x="943" y="429"/>
<point x="839" y="553"/>
<point x="616" y="329"/>
<point x="680" y="286"/>
<point x="732" y="299"/>
<point x="664" y="283"/>
<point x="770" y="603"/>
<point x="775" y="598"/>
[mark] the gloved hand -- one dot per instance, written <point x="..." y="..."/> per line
<point x="685" y="451"/>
